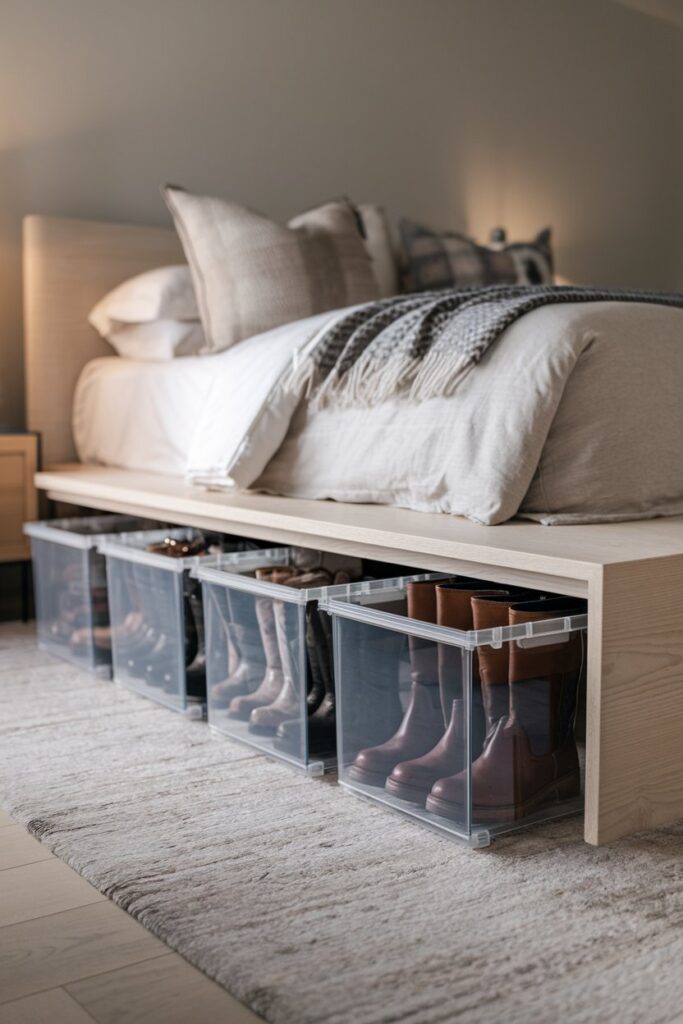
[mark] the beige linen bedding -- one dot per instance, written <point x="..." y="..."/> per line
<point x="574" y="415"/>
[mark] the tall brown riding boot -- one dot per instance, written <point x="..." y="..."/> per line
<point x="544" y="682"/>
<point x="422" y="724"/>
<point x="412" y="780"/>
<point x="529" y="758"/>
<point x="489" y="613"/>
<point x="448" y="796"/>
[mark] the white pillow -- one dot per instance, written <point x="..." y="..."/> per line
<point x="151" y="316"/>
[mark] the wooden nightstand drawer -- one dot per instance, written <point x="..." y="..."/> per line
<point x="18" y="496"/>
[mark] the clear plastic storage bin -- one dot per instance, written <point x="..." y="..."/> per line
<point x="277" y="693"/>
<point x="157" y="618"/>
<point x="70" y="586"/>
<point x="457" y="702"/>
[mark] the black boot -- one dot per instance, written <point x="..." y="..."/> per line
<point x="321" y="722"/>
<point x="195" y="673"/>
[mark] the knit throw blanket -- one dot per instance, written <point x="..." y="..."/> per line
<point x="423" y="345"/>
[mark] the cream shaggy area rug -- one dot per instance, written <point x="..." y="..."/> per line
<point x="312" y="906"/>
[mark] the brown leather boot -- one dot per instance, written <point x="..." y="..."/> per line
<point x="488" y="613"/>
<point x="412" y="780"/>
<point x="422" y="724"/>
<point x="544" y="682"/>
<point x="530" y="757"/>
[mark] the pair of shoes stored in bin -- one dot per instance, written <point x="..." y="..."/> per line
<point x="257" y="677"/>
<point x="436" y="682"/>
<point x="79" y="609"/>
<point x="147" y="644"/>
<point x="168" y="658"/>
<point x="286" y="654"/>
<point x="274" y="707"/>
<point x="523" y="704"/>
<point x="246" y="651"/>
<point x="179" y="668"/>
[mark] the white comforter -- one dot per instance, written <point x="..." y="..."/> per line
<point x="574" y="415"/>
<point x="186" y="416"/>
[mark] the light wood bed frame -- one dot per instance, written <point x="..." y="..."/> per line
<point x="631" y="573"/>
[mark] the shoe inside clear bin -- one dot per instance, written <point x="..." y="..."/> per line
<point x="157" y="616"/>
<point x="256" y="688"/>
<point x="273" y="687"/>
<point x="461" y="703"/>
<point x="70" y="586"/>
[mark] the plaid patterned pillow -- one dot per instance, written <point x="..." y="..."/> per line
<point x="434" y="259"/>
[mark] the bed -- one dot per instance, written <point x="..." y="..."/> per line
<point x="631" y="572"/>
<point x="573" y="416"/>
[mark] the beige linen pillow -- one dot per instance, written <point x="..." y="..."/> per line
<point x="251" y="274"/>
<point x="380" y="246"/>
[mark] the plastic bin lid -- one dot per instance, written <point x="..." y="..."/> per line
<point x="356" y="605"/>
<point x="87" y="531"/>
<point x="263" y="588"/>
<point x="132" y="549"/>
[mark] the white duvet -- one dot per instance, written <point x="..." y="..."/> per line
<point x="574" y="415"/>
<point x="186" y="416"/>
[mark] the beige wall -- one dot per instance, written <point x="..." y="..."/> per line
<point x="465" y="113"/>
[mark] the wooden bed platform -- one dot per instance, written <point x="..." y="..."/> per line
<point x="631" y="573"/>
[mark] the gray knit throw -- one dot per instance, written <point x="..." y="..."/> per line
<point x="424" y="345"/>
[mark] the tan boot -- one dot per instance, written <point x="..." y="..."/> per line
<point x="271" y="668"/>
<point x="290" y="637"/>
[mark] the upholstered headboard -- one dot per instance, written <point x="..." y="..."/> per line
<point x="68" y="266"/>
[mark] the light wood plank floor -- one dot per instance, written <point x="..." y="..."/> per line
<point x="70" y="956"/>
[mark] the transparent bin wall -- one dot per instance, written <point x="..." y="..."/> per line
<point x="469" y="740"/>
<point x="157" y="614"/>
<point x="152" y="638"/>
<point x="270" y="677"/>
<point x="71" y="603"/>
<point x="258" y="677"/>
<point x="70" y="586"/>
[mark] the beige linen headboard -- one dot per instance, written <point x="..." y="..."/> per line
<point x="68" y="266"/>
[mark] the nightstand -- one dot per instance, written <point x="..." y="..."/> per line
<point x="18" y="501"/>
